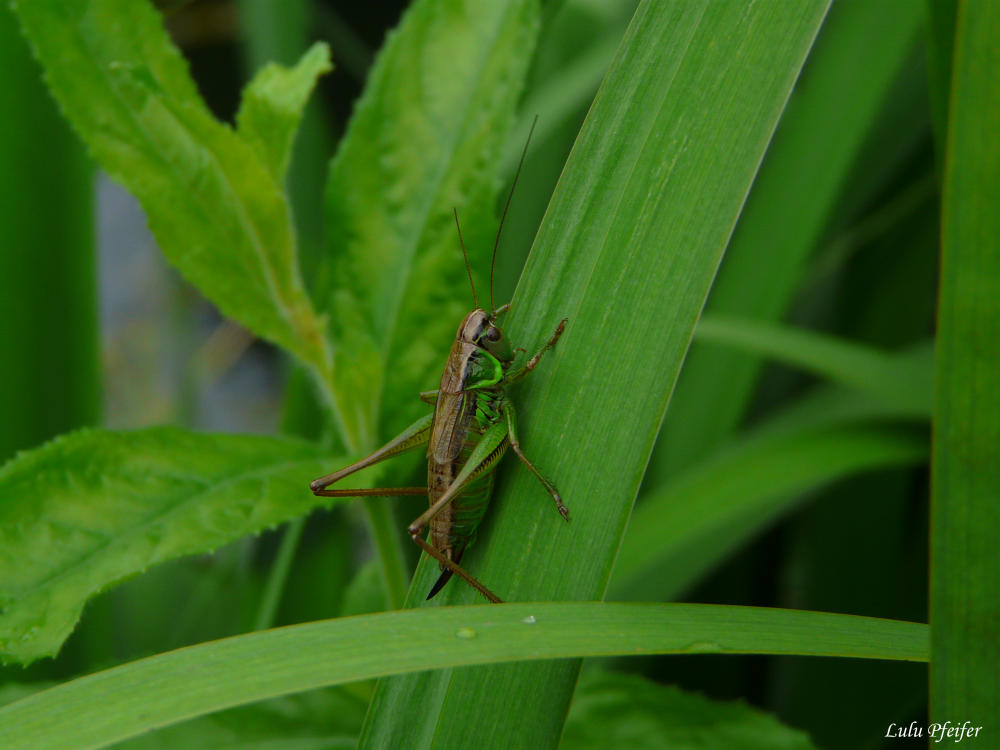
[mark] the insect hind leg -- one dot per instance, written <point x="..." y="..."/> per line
<point x="454" y="567"/>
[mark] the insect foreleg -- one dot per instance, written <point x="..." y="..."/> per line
<point x="532" y="363"/>
<point x="413" y="436"/>
<point x="511" y="418"/>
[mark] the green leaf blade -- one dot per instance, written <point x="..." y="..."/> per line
<point x="97" y="710"/>
<point x="965" y="514"/>
<point x="94" y="507"/>
<point x="47" y="222"/>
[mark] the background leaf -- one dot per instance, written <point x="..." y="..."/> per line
<point x="623" y="710"/>
<point x="905" y="382"/>
<point x="94" y="507"/>
<point x="318" y="720"/>
<point x="854" y="65"/>
<point x="698" y="518"/>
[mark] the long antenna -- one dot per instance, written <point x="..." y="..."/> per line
<point x="510" y="195"/>
<point x="468" y="268"/>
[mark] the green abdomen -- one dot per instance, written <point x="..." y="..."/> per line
<point x="455" y="527"/>
<point x="469" y="508"/>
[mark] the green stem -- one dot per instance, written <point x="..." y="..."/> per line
<point x="390" y="552"/>
<point x="965" y="515"/>
<point x="275" y="586"/>
<point x="50" y="378"/>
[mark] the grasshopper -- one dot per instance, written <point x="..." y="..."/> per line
<point x="469" y="431"/>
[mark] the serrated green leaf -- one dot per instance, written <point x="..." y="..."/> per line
<point x="272" y="106"/>
<point x="217" y="212"/>
<point x="102" y="708"/>
<point x="426" y="136"/>
<point x="94" y="507"/>
<point x="612" y="709"/>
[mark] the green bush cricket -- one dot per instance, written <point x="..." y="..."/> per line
<point x="469" y="431"/>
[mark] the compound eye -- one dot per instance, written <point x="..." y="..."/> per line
<point x="493" y="333"/>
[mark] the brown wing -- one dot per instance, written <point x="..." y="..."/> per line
<point x="454" y="407"/>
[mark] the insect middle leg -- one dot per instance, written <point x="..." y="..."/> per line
<point x="511" y="418"/>
<point x="412" y="437"/>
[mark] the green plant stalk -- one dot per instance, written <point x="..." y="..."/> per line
<point x="627" y="251"/>
<point x="50" y="376"/>
<point x="940" y="34"/>
<point x="278" y="575"/>
<point x="965" y="517"/>
<point x="385" y="534"/>
<point x="110" y="706"/>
